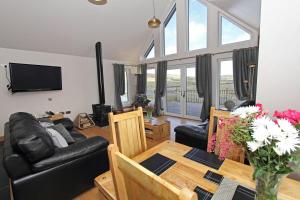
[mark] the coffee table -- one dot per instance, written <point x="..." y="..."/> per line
<point x="157" y="129"/>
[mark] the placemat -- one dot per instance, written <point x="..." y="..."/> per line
<point x="208" y="159"/>
<point x="203" y="194"/>
<point x="214" y="177"/>
<point x="243" y="193"/>
<point x="157" y="163"/>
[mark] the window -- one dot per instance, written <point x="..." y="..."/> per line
<point x="150" y="52"/>
<point x="232" y="33"/>
<point x="197" y="25"/>
<point x="226" y="87"/>
<point x="124" y="97"/>
<point x="151" y="85"/>
<point x="170" y="33"/>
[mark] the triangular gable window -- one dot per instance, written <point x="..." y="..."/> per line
<point x="150" y="52"/>
<point x="232" y="33"/>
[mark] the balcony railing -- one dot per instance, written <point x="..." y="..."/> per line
<point x="174" y="93"/>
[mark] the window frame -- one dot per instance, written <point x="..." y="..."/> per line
<point x="166" y="22"/>
<point x="236" y="24"/>
<point x="188" y="26"/>
<point x="149" y="50"/>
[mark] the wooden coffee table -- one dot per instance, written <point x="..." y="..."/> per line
<point x="157" y="129"/>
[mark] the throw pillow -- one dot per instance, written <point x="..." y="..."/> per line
<point x="58" y="140"/>
<point x="35" y="148"/>
<point x="63" y="131"/>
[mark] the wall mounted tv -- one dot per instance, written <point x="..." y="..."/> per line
<point x="29" y="78"/>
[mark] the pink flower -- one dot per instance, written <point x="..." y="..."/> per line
<point x="211" y="143"/>
<point x="292" y="116"/>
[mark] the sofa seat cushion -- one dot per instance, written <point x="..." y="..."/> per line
<point x="74" y="151"/>
<point x="58" y="140"/>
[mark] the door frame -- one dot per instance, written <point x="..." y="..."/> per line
<point x="183" y="105"/>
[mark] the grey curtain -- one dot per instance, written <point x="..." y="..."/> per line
<point x="204" y="83"/>
<point x="161" y="78"/>
<point x="245" y="73"/>
<point x="119" y="74"/>
<point x="142" y="80"/>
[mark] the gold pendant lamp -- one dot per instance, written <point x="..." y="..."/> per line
<point x="98" y="2"/>
<point x="154" y="22"/>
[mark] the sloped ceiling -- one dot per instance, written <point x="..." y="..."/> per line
<point x="246" y="10"/>
<point x="74" y="26"/>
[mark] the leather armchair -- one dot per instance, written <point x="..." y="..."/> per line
<point x="64" y="175"/>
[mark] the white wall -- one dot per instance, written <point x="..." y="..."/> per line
<point x="79" y="79"/>
<point x="279" y="56"/>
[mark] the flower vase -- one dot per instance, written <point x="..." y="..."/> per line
<point x="267" y="184"/>
<point x="149" y="115"/>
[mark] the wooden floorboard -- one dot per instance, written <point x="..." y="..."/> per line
<point x="94" y="194"/>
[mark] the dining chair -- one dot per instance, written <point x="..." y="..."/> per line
<point x="235" y="152"/>
<point x="134" y="182"/>
<point x="128" y="131"/>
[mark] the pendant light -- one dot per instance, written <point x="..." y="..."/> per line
<point x="154" y="22"/>
<point x="98" y="2"/>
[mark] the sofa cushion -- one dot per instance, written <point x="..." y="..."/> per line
<point x="68" y="124"/>
<point x="77" y="136"/>
<point x="64" y="132"/>
<point x="35" y="148"/>
<point x="58" y="140"/>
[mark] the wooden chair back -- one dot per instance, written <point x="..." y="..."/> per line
<point x="235" y="153"/>
<point x="128" y="131"/>
<point x="134" y="182"/>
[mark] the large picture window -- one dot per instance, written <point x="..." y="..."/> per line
<point x="124" y="98"/>
<point x="197" y="25"/>
<point x="170" y="33"/>
<point x="226" y="87"/>
<point x="150" y="52"/>
<point x="151" y="84"/>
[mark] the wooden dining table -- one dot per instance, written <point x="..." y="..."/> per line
<point x="188" y="173"/>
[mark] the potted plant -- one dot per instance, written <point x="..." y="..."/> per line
<point x="271" y="145"/>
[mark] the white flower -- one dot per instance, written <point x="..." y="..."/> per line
<point x="287" y="145"/>
<point x="263" y="128"/>
<point x="244" y="112"/>
<point x="253" y="146"/>
<point x="287" y="127"/>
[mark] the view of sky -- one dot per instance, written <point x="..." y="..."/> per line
<point x="151" y="53"/>
<point x="198" y="30"/>
<point x="197" y="25"/>
<point x="232" y="33"/>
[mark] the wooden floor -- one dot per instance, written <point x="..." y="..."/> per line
<point x="94" y="194"/>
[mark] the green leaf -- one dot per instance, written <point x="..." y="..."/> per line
<point x="297" y="126"/>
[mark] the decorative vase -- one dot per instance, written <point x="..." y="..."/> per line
<point x="267" y="184"/>
<point x="149" y="115"/>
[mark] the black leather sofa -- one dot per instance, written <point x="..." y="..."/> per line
<point x="45" y="172"/>
<point x="193" y="136"/>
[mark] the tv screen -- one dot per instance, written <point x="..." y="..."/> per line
<point x="26" y="78"/>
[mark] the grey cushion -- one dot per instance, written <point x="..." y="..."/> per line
<point x="58" y="140"/>
<point x="64" y="132"/>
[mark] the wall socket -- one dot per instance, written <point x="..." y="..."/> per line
<point x="68" y="112"/>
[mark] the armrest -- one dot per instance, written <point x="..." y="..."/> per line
<point x="72" y="152"/>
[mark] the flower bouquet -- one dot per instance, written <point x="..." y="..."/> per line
<point x="271" y="145"/>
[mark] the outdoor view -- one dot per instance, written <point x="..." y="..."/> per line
<point x="226" y="91"/>
<point x="193" y="104"/>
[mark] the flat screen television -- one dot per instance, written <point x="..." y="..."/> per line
<point x="29" y="78"/>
